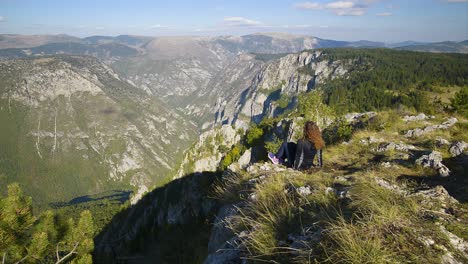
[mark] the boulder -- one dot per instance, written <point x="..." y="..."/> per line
<point x="220" y="232"/>
<point x="437" y="193"/>
<point x="419" y="117"/>
<point x="387" y="185"/>
<point x="370" y="140"/>
<point x="394" y="146"/>
<point x="243" y="161"/>
<point x="355" y="117"/>
<point x="434" y="160"/>
<point x="458" y="148"/>
<point x="304" y="190"/>
<point x="441" y="142"/>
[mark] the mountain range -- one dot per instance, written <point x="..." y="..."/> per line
<point x="121" y="111"/>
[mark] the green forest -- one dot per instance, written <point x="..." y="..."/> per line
<point x="383" y="78"/>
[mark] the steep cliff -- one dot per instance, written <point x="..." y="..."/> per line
<point x="275" y="86"/>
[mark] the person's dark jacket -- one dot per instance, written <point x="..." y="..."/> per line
<point x="305" y="154"/>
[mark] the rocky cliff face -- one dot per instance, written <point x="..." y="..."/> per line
<point x="72" y="121"/>
<point x="206" y="154"/>
<point x="285" y="77"/>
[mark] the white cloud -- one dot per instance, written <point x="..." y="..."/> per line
<point x="339" y="8"/>
<point x="309" y="6"/>
<point x="99" y="28"/>
<point x="350" y="12"/>
<point x="240" y="22"/>
<point x="158" y="26"/>
<point x="340" y="5"/>
<point x="2" y="19"/>
<point x="384" y="14"/>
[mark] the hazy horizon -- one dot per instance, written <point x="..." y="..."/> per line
<point x="386" y="21"/>
<point x="232" y="35"/>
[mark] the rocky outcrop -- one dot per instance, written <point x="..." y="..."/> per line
<point x="207" y="153"/>
<point x="421" y="131"/>
<point x="441" y="142"/>
<point x="394" y="146"/>
<point x="285" y="77"/>
<point x="458" y="148"/>
<point x="356" y="117"/>
<point x="243" y="162"/>
<point x="420" y="117"/>
<point x="370" y="140"/>
<point x="434" y="160"/>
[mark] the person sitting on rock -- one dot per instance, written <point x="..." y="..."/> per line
<point x="301" y="156"/>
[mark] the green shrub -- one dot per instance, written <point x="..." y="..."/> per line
<point x="283" y="101"/>
<point x="254" y="135"/>
<point x="460" y="101"/>
<point x="337" y="132"/>
<point x="273" y="146"/>
<point x="231" y="157"/>
<point x="311" y="107"/>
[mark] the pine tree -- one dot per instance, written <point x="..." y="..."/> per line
<point x="25" y="238"/>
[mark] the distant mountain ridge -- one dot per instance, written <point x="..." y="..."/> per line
<point x="438" y="47"/>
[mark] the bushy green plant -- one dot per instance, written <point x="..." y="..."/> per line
<point x="337" y="132"/>
<point x="311" y="107"/>
<point x="232" y="156"/>
<point x="283" y="101"/>
<point x="254" y="135"/>
<point x="274" y="145"/>
<point x="460" y="101"/>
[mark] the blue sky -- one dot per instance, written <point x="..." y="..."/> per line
<point x="378" y="20"/>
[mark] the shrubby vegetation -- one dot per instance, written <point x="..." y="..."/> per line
<point x="337" y="132"/>
<point x="26" y="238"/>
<point x="460" y="101"/>
<point x="233" y="155"/>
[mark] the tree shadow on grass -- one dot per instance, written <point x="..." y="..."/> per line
<point x="456" y="184"/>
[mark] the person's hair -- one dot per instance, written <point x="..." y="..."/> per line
<point x="313" y="134"/>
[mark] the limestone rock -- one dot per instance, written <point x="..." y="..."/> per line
<point x="438" y="193"/>
<point x="420" y="117"/>
<point x="243" y="161"/>
<point x="230" y="253"/>
<point x="455" y="241"/>
<point x="421" y="131"/>
<point x="220" y="232"/>
<point x="370" y="140"/>
<point x="387" y="185"/>
<point x="434" y="160"/>
<point x="304" y="190"/>
<point x="441" y="142"/>
<point x="458" y="148"/>
<point x="355" y="117"/>
<point x="394" y="146"/>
